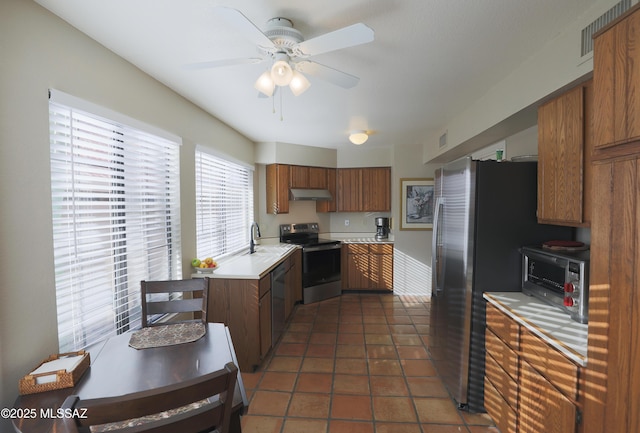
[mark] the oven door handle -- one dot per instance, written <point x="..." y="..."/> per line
<point x="321" y="248"/>
<point x="542" y="257"/>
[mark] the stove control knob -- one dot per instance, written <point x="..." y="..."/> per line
<point x="569" y="288"/>
<point x="568" y="301"/>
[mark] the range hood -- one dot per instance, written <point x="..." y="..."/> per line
<point x="309" y="194"/>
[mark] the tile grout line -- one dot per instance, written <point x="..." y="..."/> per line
<point x="387" y="312"/>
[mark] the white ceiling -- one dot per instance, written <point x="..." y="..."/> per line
<point x="429" y="60"/>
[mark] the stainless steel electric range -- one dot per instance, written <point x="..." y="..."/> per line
<point x="321" y="277"/>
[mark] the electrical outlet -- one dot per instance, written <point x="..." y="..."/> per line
<point x="346" y="223"/>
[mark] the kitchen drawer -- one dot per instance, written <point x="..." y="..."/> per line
<point x="381" y="248"/>
<point x="358" y="248"/>
<point x="503" y="354"/>
<point x="265" y="285"/>
<point x="503" y="326"/>
<point x="499" y="410"/>
<point x="543" y="408"/>
<point x="553" y="365"/>
<point x="503" y="383"/>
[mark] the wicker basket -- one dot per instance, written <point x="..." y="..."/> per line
<point x="64" y="379"/>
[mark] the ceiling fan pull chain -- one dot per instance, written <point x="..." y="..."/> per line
<point x="281" y="117"/>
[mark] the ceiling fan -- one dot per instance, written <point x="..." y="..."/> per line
<point x="289" y="52"/>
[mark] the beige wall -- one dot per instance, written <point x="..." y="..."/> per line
<point x="554" y="66"/>
<point x="39" y="51"/>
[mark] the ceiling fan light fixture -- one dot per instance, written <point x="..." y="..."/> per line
<point x="299" y="83"/>
<point x="264" y="83"/>
<point x="281" y="71"/>
<point x="358" y="137"/>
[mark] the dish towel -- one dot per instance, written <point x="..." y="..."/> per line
<point x="167" y="335"/>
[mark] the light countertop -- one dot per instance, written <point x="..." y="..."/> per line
<point x="269" y="253"/>
<point x="250" y="266"/>
<point x="547" y="322"/>
<point x="359" y="238"/>
<point x="370" y="240"/>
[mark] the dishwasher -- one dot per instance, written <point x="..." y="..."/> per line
<point x="277" y="302"/>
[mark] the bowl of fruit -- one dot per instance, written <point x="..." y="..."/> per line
<point x="205" y="266"/>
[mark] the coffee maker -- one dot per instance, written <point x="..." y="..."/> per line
<point x="382" y="228"/>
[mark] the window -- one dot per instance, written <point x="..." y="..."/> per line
<point x="116" y="218"/>
<point x="224" y="205"/>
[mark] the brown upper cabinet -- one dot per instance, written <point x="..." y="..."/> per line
<point x="330" y="180"/>
<point x="281" y="177"/>
<point x="277" y="188"/>
<point x="308" y="177"/>
<point x="376" y="189"/>
<point x="318" y="177"/>
<point x="565" y="142"/>
<point x="349" y="188"/>
<point x="616" y="78"/>
<point x="365" y="189"/>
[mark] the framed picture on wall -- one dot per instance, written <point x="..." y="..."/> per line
<point x="416" y="203"/>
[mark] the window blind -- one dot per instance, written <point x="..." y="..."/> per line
<point x="224" y="205"/>
<point x="116" y="221"/>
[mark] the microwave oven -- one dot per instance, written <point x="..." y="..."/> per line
<point x="559" y="278"/>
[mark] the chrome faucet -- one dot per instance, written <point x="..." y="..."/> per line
<point x="252" y="243"/>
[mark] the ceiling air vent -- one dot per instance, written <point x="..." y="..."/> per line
<point x="600" y="22"/>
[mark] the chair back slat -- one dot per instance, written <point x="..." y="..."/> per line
<point x="194" y="298"/>
<point x="154" y="411"/>
<point x="173" y="286"/>
<point x="177" y="306"/>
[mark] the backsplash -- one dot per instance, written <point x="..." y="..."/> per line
<point x="305" y="212"/>
<point x="358" y="222"/>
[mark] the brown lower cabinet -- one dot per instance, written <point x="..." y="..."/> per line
<point x="530" y="387"/>
<point x="245" y="307"/>
<point x="367" y="266"/>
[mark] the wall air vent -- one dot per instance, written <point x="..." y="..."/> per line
<point x="600" y="22"/>
<point x="443" y="140"/>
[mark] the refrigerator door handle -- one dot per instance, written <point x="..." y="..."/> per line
<point x="436" y="257"/>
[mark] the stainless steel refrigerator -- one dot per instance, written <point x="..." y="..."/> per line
<point x="483" y="212"/>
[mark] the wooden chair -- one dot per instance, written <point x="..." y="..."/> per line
<point x="198" y="289"/>
<point x="202" y="404"/>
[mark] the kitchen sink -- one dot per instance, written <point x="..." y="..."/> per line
<point x="270" y="250"/>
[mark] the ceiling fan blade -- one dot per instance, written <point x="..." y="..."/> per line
<point x="345" y="37"/>
<point x="333" y="76"/>
<point x="223" y="62"/>
<point x="244" y="26"/>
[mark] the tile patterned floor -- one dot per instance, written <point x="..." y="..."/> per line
<point x="358" y="364"/>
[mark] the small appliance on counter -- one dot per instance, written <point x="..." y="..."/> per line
<point x="558" y="274"/>
<point x="382" y="228"/>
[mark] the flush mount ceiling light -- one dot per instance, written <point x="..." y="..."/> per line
<point x="358" y="137"/>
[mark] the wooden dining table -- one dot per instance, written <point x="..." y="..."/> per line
<point x="117" y="369"/>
